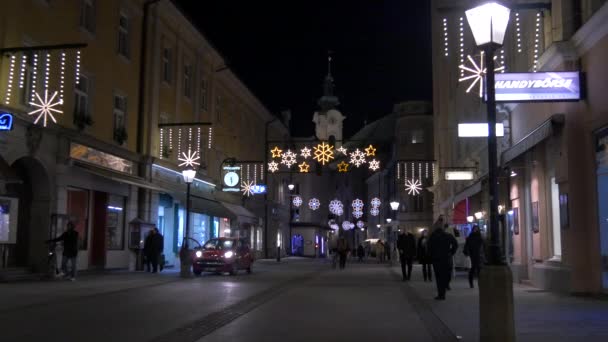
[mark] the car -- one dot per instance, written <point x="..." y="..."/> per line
<point x="221" y="255"/>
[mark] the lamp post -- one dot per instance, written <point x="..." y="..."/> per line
<point x="184" y="254"/>
<point x="488" y="23"/>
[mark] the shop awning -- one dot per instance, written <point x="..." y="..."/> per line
<point x="118" y="177"/>
<point x="460" y="212"/>
<point x="542" y="132"/>
<point x="209" y="207"/>
<point x="243" y="215"/>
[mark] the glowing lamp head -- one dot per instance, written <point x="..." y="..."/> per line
<point x="394" y="205"/>
<point x="378" y="226"/>
<point x="388" y="220"/>
<point x="470" y="219"/>
<point x="478" y="215"/>
<point x="188" y="175"/>
<point x="291" y="186"/>
<point x="513" y="173"/>
<point x="488" y="23"/>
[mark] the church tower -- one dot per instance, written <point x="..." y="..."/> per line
<point x="328" y="120"/>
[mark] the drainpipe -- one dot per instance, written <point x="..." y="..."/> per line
<point x="266" y="193"/>
<point x="142" y="194"/>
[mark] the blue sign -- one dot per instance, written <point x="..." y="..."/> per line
<point x="258" y="189"/>
<point x="538" y="86"/>
<point x="6" y="122"/>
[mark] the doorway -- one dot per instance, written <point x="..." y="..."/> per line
<point x="297" y="245"/>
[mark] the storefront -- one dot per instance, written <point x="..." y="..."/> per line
<point x="601" y="157"/>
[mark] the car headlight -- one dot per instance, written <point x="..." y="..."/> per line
<point x="198" y="254"/>
<point x="228" y="254"/>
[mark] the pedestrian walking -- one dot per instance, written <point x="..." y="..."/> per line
<point x="342" y="251"/>
<point x="360" y="252"/>
<point x="380" y="251"/>
<point x="473" y="248"/>
<point x="446" y="228"/>
<point x="153" y="246"/>
<point x="423" y="256"/>
<point x="442" y="247"/>
<point x="406" y="244"/>
<point x="70" y="250"/>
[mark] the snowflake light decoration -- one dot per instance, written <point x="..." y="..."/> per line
<point x="276" y="152"/>
<point x="357" y="158"/>
<point x="374" y="211"/>
<point x="297" y="201"/>
<point x="247" y="188"/>
<point x="357" y="204"/>
<point x="339" y="211"/>
<point x="189" y="159"/>
<point x="288" y="158"/>
<point x="375" y="202"/>
<point x="346" y="225"/>
<point x="323" y="153"/>
<point x="305" y="152"/>
<point x="273" y="166"/>
<point x="343" y="167"/>
<point x="374" y="165"/>
<point x="477" y="73"/>
<point x="314" y="204"/>
<point x="413" y="187"/>
<point x="342" y="150"/>
<point x="370" y="151"/>
<point x="304" y="167"/>
<point x="46" y="107"/>
<point x="357" y="213"/>
<point x="334" y="206"/>
<point x="360" y="224"/>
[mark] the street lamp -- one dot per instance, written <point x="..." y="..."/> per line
<point x="394" y="205"/>
<point x="388" y="220"/>
<point x="184" y="255"/>
<point x="488" y="24"/>
<point x="291" y="186"/>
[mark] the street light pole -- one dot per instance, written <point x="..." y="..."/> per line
<point x="184" y="253"/>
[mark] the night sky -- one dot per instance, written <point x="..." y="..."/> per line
<point x="381" y="53"/>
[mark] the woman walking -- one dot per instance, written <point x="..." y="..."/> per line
<point x="424" y="257"/>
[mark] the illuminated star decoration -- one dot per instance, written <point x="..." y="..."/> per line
<point x="375" y="202"/>
<point x="189" y="159"/>
<point x="276" y="152"/>
<point x="357" y="204"/>
<point x="343" y="167"/>
<point x="323" y="153"/>
<point x="357" y="158"/>
<point x="46" y="107"/>
<point x="342" y="150"/>
<point x="288" y="158"/>
<point x="297" y="201"/>
<point x="413" y="187"/>
<point x="374" y="165"/>
<point x="370" y="151"/>
<point x="304" y="167"/>
<point x="247" y="188"/>
<point x="273" y="166"/>
<point x="314" y="204"/>
<point x="374" y="211"/>
<point x="477" y="73"/>
<point x="305" y="152"/>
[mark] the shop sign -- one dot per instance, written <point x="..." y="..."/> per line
<point x="6" y="121"/>
<point x="472" y="130"/>
<point x="258" y="189"/>
<point x="231" y="178"/>
<point x="460" y="175"/>
<point x="538" y="86"/>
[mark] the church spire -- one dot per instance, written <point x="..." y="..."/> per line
<point x="328" y="100"/>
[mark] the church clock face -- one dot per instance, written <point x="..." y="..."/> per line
<point x="231" y="179"/>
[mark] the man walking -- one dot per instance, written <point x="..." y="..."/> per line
<point x="406" y="244"/>
<point x="473" y="248"/>
<point x="342" y="251"/>
<point x="70" y="250"/>
<point x="442" y="247"/>
<point x="153" y="246"/>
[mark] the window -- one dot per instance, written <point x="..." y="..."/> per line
<point x="218" y="108"/>
<point x="120" y="113"/>
<point x="115" y="222"/>
<point x="81" y="100"/>
<point x="123" y="35"/>
<point x="87" y="15"/>
<point x="417" y="136"/>
<point x="188" y="81"/>
<point x="167" y="63"/>
<point x="200" y="227"/>
<point x="204" y="86"/>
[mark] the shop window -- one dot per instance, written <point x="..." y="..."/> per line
<point x="160" y="221"/>
<point x="259" y="240"/>
<point x="556" y="224"/>
<point x="216" y="227"/>
<point x="200" y="227"/>
<point x="181" y="217"/>
<point x="115" y="222"/>
<point x="78" y="212"/>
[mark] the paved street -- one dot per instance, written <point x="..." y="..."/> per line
<point x="297" y="300"/>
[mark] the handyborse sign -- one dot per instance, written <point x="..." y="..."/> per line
<point x="538" y="86"/>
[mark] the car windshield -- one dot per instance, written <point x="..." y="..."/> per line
<point x="218" y="244"/>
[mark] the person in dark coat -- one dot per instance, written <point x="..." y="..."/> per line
<point x="153" y="246"/>
<point x="342" y="251"/>
<point x="442" y="247"/>
<point x="424" y="256"/>
<point x="473" y="248"/>
<point x="360" y="252"/>
<point x="406" y="244"/>
<point x="70" y="250"/>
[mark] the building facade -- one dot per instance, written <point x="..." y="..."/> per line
<point x="552" y="162"/>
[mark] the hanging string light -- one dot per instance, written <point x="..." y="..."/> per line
<point x="426" y="172"/>
<point x="47" y="71"/>
<point x="210" y="137"/>
<point x="502" y="60"/>
<point x="198" y="141"/>
<point x="170" y="138"/>
<point x="262" y="172"/>
<point x="461" y="24"/>
<point x="255" y="173"/>
<point x="62" y="76"/>
<point x="518" y="31"/>
<point x="22" y="71"/>
<point x="398" y="171"/>
<point x="34" y="77"/>
<point x="419" y="170"/>
<point x="78" y="67"/>
<point x="179" y="141"/>
<point x="445" y="36"/>
<point x="248" y="172"/>
<point x="9" y="87"/>
<point x="160" y="149"/>
<point x="189" y="138"/>
<point x="536" y="40"/>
